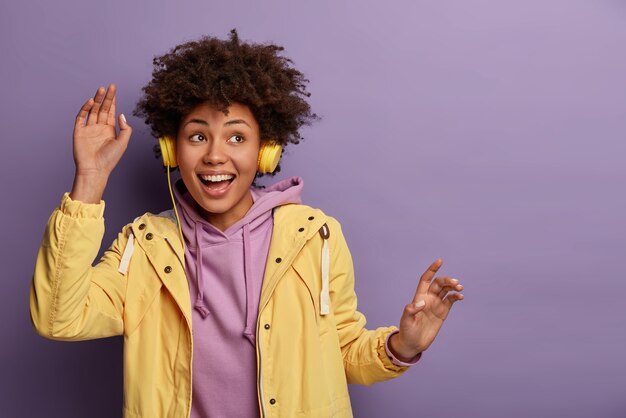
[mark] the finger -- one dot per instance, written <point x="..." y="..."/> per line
<point x="103" y="114"/>
<point x="452" y="298"/>
<point x="125" y="130"/>
<point x="424" y="283"/>
<point x="441" y="283"/>
<point x="418" y="306"/>
<point x="413" y="309"/>
<point x="447" y="289"/>
<point x="111" y="114"/>
<point x="82" y="113"/>
<point x="93" y="113"/>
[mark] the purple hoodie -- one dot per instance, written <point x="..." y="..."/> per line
<point x="225" y="273"/>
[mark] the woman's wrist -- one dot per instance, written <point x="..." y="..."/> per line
<point x="401" y="352"/>
<point x="88" y="188"/>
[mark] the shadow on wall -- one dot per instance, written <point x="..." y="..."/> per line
<point x="80" y="379"/>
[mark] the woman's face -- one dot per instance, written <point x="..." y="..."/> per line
<point x="217" y="158"/>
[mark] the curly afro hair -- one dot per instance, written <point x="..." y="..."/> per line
<point x="222" y="72"/>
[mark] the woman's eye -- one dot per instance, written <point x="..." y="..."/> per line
<point x="196" y="138"/>
<point x="236" y="139"/>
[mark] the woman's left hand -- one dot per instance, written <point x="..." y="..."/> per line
<point x="422" y="319"/>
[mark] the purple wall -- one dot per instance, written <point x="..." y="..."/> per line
<point x="490" y="133"/>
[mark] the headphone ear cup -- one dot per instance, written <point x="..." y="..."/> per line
<point x="168" y="151"/>
<point x="269" y="156"/>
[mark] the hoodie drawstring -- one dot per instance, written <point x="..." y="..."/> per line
<point x="200" y="304"/>
<point x="324" y="294"/>
<point x="247" y="262"/>
<point x="128" y="253"/>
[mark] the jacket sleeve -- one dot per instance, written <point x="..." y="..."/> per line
<point x="70" y="299"/>
<point x="365" y="359"/>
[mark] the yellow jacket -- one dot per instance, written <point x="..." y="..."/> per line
<point x="304" y="359"/>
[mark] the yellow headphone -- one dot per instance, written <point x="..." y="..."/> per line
<point x="269" y="154"/>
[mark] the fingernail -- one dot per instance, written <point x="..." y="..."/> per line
<point x="455" y="281"/>
<point x="123" y="117"/>
<point x="419" y="303"/>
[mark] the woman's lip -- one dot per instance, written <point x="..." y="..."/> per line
<point x="217" y="193"/>
<point x="216" y="173"/>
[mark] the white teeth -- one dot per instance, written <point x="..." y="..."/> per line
<point x="219" y="177"/>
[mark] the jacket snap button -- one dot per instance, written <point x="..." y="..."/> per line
<point x="142" y="226"/>
<point x="267" y="326"/>
<point x="272" y="401"/>
<point x="149" y="236"/>
<point x="301" y="229"/>
<point x="168" y="269"/>
<point x="278" y="260"/>
<point x="311" y="218"/>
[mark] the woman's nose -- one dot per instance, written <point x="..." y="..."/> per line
<point x="215" y="154"/>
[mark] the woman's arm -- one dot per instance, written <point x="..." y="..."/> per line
<point x="364" y="351"/>
<point x="365" y="359"/>
<point x="69" y="298"/>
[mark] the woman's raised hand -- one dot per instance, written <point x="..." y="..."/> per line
<point x="97" y="145"/>
<point x="422" y="319"/>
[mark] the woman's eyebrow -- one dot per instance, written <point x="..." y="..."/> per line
<point x="200" y="121"/>
<point x="236" y="122"/>
<point x="230" y="122"/>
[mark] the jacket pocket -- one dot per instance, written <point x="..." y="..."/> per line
<point x="142" y="291"/>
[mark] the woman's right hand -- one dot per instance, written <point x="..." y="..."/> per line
<point x="97" y="146"/>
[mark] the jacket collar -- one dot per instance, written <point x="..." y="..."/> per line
<point x="294" y="225"/>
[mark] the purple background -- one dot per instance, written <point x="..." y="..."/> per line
<point x="489" y="133"/>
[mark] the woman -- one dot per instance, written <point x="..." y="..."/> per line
<point x="241" y="302"/>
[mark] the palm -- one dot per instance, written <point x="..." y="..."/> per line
<point x="423" y="327"/>
<point x="419" y="326"/>
<point x="97" y="147"/>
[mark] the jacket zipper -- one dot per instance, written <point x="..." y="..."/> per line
<point x="190" y="398"/>
<point x="258" y="337"/>
<point x="258" y="343"/>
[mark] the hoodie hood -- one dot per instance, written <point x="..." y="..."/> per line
<point x="225" y="268"/>
<point x="265" y="199"/>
